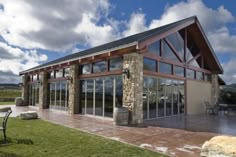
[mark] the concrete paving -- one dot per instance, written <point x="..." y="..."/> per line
<point x="172" y="136"/>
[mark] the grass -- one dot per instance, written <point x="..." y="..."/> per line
<point x="39" y="138"/>
<point x="10" y="93"/>
<point x="7" y="103"/>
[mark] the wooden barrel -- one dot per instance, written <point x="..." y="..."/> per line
<point x="121" y="116"/>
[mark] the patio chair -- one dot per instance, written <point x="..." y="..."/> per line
<point x="211" y="109"/>
<point x="7" y="111"/>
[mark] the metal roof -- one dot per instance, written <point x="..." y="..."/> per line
<point x="114" y="45"/>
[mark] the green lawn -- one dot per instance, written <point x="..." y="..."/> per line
<point x="7" y="103"/>
<point x="10" y="93"/>
<point x="39" y="138"/>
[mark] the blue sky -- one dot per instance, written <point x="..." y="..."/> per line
<point x="35" y="32"/>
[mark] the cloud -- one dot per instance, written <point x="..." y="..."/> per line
<point x="136" y="24"/>
<point x="13" y="60"/>
<point x="229" y="71"/>
<point x="8" y="77"/>
<point x="54" y="25"/>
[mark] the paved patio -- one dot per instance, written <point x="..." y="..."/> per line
<point x="166" y="139"/>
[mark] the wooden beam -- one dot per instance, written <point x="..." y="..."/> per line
<point x="194" y="58"/>
<point x="153" y="39"/>
<point x="185" y="44"/>
<point x="173" y="50"/>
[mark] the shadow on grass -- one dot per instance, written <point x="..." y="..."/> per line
<point x="17" y="141"/>
<point x="5" y="154"/>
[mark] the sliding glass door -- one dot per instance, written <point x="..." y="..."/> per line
<point x="98" y="96"/>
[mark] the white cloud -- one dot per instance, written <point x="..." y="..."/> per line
<point x="13" y="60"/>
<point x="230" y="71"/>
<point x="51" y="25"/>
<point x="136" y="24"/>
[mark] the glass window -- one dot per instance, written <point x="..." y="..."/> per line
<point x="178" y="43"/>
<point x="168" y="53"/>
<point x="99" y="96"/>
<point x="149" y="64"/>
<point x="168" y="97"/>
<point x="108" y="109"/>
<point x="66" y="72"/>
<point x="181" y="97"/>
<point x="90" y="85"/>
<point x="207" y="77"/>
<point x="83" y="96"/>
<point x="59" y="73"/>
<point x="99" y="66"/>
<point x="51" y="75"/>
<point x="179" y="71"/>
<point x="154" y="48"/>
<point x="161" y="97"/>
<point x="85" y="69"/>
<point x="145" y="97"/>
<point x="190" y="74"/>
<point x="119" y="91"/>
<point x="35" y="77"/>
<point x="199" y="75"/>
<point x="116" y="64"/>
<point x="165" y="68"/>
<point x="175" y="97"/>
<point x="152" y="97"/>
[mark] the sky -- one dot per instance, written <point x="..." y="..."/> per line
<point x="37" y="31"/>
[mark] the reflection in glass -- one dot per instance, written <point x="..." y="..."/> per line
<point x="168" y="97"/>
<point x="152" y="97"/>
<point x="99" y="66"/>
<point x="98" y="96"/>
<point x="207" y="77"/>
<point x="154" y="48"/>
<point x="161" y="97"/>
<point x="178" y="43"/>
<point x="83" y="96"/>
<point x="119" y="91"/>
<point x="90" y="85"/>
<point x="66" y="72"/>
<point x="145" y="97"/>
<point x="59" y="73"/>
<point x="175" y="97"/>
<point x="58" y="93"/>
<point x="85" y="69"/>
<point x="108" y="97"/>
<point x="199" y="75"/>
<point x="149" y="64"/>
<point x="190" y="73"/>
<point x="116" y="64"/>
<point x="63" y="95"/>
<point x="181" y="97"/>
<point x="168" y="53"/>
<point x="179" y="71"/>
<point x="165" y="68"/>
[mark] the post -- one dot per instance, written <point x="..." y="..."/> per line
<point x="133" y="87"/>
<point x="43" y="90"/>
<point x="25" y="90"/>
<point x="215" y="88"/>
<point x="73" y="89"/>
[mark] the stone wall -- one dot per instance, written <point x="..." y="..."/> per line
<point x="133" y="87"/>
<point x="43" y="90"/>
<point x="215" y="88"/>
<point x="73" y="89"/>
<point x="25" y="89"/>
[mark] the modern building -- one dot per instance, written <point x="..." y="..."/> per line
<point x="166" y="71"/>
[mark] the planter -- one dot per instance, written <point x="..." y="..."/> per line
<point x="121" y="116"/>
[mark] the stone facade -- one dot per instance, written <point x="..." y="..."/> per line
<point x="133" y="87"/>
<point x="73" y="89"/>
<point x="43" y="90"/>
<point x="215" y="88"/>
<point x="25" y="90"/>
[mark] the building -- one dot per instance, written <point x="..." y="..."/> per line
<point x="166" y="71"/>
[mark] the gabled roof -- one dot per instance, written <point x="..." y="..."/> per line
<point x="123" y="43"/>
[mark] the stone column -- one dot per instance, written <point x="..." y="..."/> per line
<point x="73" y="89"/>
<point x="133" y="87"/>
<point x="43" y="90"/>
<point x="25" y="89"/>
<point x="215" y="88"/>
